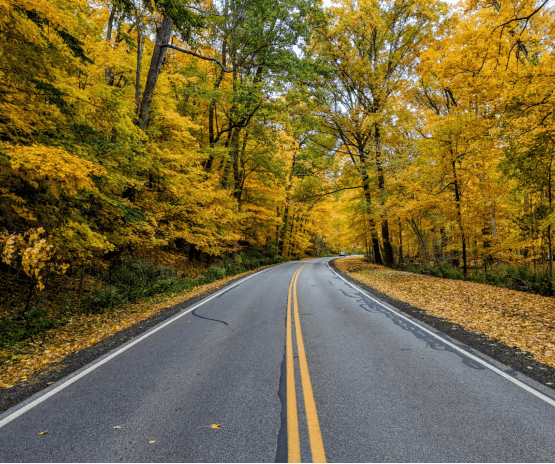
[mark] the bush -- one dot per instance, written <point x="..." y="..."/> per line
<point x="33" y="323"/>
<point x="129" y="280"/>
<point x="249" y="260"/>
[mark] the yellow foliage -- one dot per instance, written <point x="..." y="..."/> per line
<point x="60" y="170"/>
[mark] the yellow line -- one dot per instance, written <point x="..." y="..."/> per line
<point x="293" y="439"/>
<point x="314" y="433"/>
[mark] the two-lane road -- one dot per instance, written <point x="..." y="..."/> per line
<point x="296" y="364"/>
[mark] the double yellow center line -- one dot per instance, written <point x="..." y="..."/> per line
<point x="314" y="433"/>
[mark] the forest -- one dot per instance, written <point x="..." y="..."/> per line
<point x="143" y="133"/>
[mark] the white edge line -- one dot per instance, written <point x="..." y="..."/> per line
<point x="59" y="388"/>
<point x="466" y="353"/>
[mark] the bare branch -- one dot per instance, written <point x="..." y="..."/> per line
<point x="188" y="52"/>
<point x="329" y="193"/>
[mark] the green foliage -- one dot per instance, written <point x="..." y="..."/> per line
<point x="249" y="260"/>
<point x="130" y="280"/>
<point x="26" y="324"/>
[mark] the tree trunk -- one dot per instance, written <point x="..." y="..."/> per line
<point x="388" y="249"/>
<point x="163" y="34"/>
<point x="288" y="187"/>
<point x="550" y="197"/>
<point x="212" y="138"/>
<point x="140" y="47"/>
<point x="239" y="177"/>
<point x="400" y="243"/>
<point x="459" y="217"/>
<point x="233" y="142"/>
<point x="108" y="71"/>
<point x="421" y="240"/>
<point x="372" y="224"/>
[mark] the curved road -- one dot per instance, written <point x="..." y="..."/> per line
<point x="293" y="363"/>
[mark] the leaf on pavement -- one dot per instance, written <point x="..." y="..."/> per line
<point x="43" y="433"/>
<point x="215" y="426"/>
<point x="117" y="427"/>
<point x="152" y="441"/>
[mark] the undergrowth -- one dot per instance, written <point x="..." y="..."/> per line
<point x="515" y="278"/>
<point x="129" y="280"/>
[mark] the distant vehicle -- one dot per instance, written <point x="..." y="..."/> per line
<point x="341" y="254"/>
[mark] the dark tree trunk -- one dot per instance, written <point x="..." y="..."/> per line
<point x="288" y="187"/>
<point x="108" y="71"/>
<point x="140" y="48"/>
<point x="388" y="249"/>
<point x="373" y="234"/>
<point x="212" y="137"/>
<point x="163" y="34"/>
<point x="550" y="199"/>
<point x="400" y="243"/>
<point x="233" y="142"/>
<point x="237" y="173"/>
<point x="456" y="188"/>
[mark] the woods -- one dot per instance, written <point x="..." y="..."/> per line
<point x="178" y="132"/>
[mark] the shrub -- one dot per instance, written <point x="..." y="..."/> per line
<point x="129" y="280"/>
<point x="33" y="323"/>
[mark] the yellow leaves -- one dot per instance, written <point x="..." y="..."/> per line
<point x="213" y="426"/>
<point x="117" y="427"/>
<point x="152" y="441"/>
<point x="60" y="170"/>
<point x="43" y="433"/>
<point x="33" y="252"/>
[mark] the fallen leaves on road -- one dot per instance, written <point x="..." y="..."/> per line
<point x="517" y="319"/>
<point x="152" y="441"/>
<point x="117" y="427"/>
<point x="213" y="426"/>
<point x="43" y="433"/>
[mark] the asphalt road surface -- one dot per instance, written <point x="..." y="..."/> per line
<point x="291" y="363"/>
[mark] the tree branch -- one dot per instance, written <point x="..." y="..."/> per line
<point x="329" y="193"/>
<point x="188" y="52"/>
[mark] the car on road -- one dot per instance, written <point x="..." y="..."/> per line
<point x="342" y="254"/>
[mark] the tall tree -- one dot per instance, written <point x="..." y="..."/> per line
<point x="373" y="47"/>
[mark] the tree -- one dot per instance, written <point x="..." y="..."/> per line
<point x="373" y="48"/>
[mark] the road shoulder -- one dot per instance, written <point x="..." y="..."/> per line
<point x="54" y="372"/>
<point x="516" y="359"/>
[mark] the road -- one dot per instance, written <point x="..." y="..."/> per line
<point x="339" y="377"/>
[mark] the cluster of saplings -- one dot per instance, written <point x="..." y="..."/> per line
<point x="127" y="280"/>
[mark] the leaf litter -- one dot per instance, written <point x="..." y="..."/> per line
<point x="516" y="319"/>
